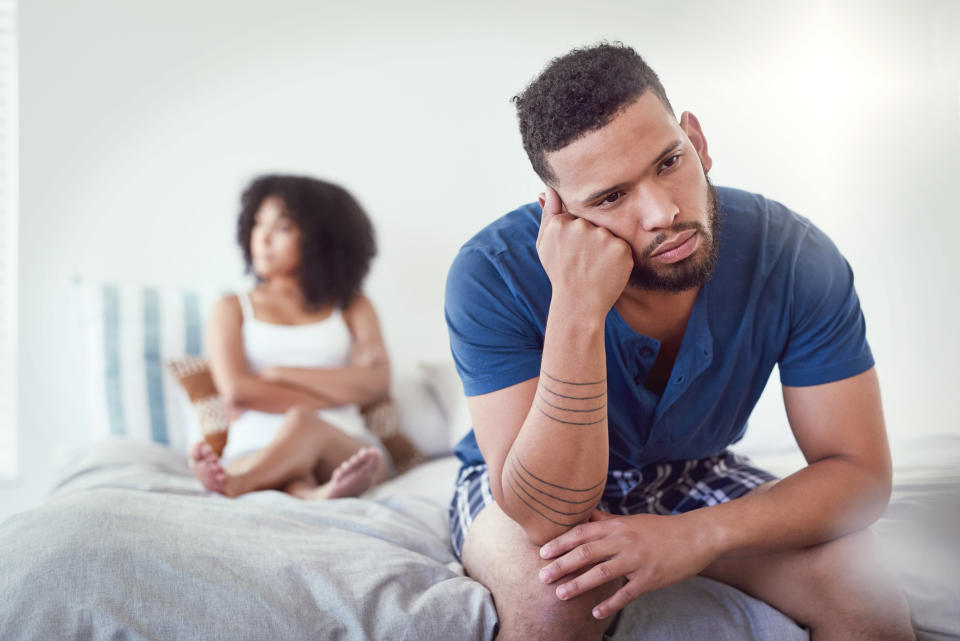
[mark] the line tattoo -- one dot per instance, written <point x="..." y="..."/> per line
<point x="576" y="398"/>
<point x="527" y="503"/>
<point x="560" y="380"/>
<point x="554" y="418"/>
<point x="513" y="458"/>
<point x="592" y="499"/>
<point x="532" y="497"/>
<point x="567" y="409"/>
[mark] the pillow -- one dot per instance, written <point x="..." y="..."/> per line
<point x="383" y="419"/>
<point x="445" y="386"/>
<point x="129" y="332"/>
<point x="420" y="415"/>
<point x="193" y="374"/>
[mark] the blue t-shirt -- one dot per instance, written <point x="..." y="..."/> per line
<point x="781" y="293"/>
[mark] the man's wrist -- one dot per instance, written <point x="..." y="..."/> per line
<point x="712" y="534"/>
<point x="577" y="309"/>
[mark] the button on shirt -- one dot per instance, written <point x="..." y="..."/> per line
<point x="781" y="294"/>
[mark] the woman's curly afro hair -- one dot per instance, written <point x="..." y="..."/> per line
<point x="337" y="240"/>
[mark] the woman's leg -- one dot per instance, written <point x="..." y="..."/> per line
<point x="305" y="450"/>
<point x="351" y="478"/>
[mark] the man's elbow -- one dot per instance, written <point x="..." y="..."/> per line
<point x="541" y="533"/>
<point x="538" y="529"/>
<point x="882" y="490"/>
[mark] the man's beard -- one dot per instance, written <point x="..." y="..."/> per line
<point x="692" y="271"/>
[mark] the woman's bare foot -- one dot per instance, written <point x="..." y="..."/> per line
<point x="205" y="465"/>
<point x="353" y="477"/>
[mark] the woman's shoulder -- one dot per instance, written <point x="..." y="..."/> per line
<point x="227" y="307"/>
<point x="359" y="304"/>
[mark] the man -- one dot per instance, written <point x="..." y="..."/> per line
<point x="612" y="347"/>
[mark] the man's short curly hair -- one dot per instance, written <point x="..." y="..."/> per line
<point x="337" y="239"/>
<point x="577" y="93"/>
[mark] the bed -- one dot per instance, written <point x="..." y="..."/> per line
<point x="130" y="546"/>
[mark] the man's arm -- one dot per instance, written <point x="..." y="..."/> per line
<point x="545" y="439"/>
<point x="845" y="487"/>
<point x="840" y="429"/>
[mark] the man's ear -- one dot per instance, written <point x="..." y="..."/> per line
<point x="691" y="127"/>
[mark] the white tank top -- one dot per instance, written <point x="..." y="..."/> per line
<point x="322" y="344"/>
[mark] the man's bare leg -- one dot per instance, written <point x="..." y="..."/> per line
<point x="497" y="554"/>
<point x="841" y="590"/>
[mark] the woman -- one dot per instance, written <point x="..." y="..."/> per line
<point x="297" y="355"/>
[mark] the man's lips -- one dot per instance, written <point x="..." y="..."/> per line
<point x="674" y="243"/>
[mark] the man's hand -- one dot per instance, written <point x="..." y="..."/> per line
<point x="650" y="551"/>
<point x="585" y="263"/>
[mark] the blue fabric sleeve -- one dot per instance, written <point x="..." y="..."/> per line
<point x="827" y="340"/>
<point x="493" y="344"/>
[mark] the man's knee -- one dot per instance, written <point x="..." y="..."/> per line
<point x="531" y="611"/>
<point x="498" y="555"/>
<point x="857" y="590"/>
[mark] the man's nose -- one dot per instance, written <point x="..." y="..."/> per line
<point x="656" y="208"/>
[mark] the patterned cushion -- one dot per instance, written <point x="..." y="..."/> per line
<point x="193" y="374"/>
<point x="383" y="419"/>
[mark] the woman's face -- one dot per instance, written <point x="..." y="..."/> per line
<point x="274" y="241"/>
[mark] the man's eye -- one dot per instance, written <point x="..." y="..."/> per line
<point x="612" y="198"/>
<point x="671" y="161"/>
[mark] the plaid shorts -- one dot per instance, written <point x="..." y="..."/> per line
<point x="673" y="487"/>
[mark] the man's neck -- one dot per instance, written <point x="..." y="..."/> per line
<point x="661" y="315"/>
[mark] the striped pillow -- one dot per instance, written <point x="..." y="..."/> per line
<point x="131" y="331"/>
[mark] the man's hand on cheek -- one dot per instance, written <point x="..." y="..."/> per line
<point x="586" y="264"/>
<point x="650" y="551"/>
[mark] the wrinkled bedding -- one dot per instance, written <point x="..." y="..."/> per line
<point x="130" y="547"/>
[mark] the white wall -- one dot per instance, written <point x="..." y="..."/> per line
<point x="141" y="121"/>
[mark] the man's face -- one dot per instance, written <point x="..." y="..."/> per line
<point x="643" y="178"/>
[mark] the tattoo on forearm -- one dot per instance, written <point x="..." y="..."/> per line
<point x="527" y="503"/>
<point x="567" y="409"/>
<point x="518" y="479"/>
<point x="514" y="484"/>
<point x="554" y="418"/>
<point x="559" y="487"/>
<point x="577" y="405"/>
<point x="519" y="476"/>
<point x="576" y="398"/>
<point x="560" y="380"/>
<point x="572" y="404"/>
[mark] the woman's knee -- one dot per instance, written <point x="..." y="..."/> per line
<point x="301" y="424"/>
<point x="300" y="414"/>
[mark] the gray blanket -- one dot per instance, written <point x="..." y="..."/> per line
<point x="131" y="547"/>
